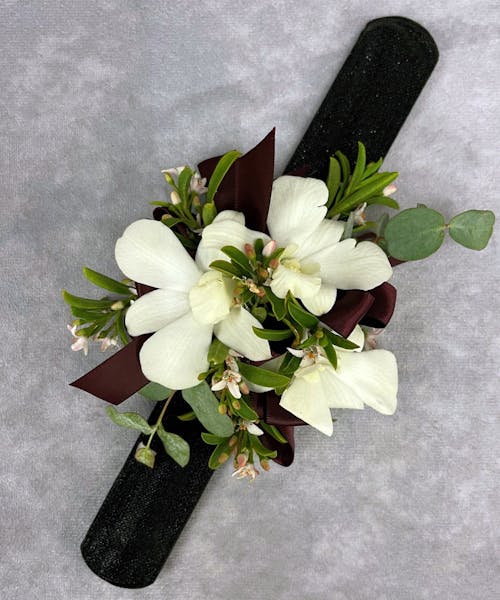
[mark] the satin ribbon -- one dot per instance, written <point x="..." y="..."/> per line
<point x="247" y="189"/>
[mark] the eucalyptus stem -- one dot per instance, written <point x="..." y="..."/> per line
<point x="160" y="418"/>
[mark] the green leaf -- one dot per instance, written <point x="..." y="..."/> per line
<point x="414" y="233"/>
<point x="130" y="420"/>
<point x="273" y="432"/>
<point x="382" y="200"/>
<point x="175" y="446"/>
<point x="145" y="455"/>
<point x="183" y="183"/>
<point x="220" y="172"/>
<point x="359" y="167"/>
<point x="155" y="391"/>
<point x="87" y="303"/>
<point x="260" y="449"/>
<point x="372" y="168"/>
<point x="331" y="355"/>
<point x="217" y="352"/>
<point x="226" y="268"/>
<point x="371" y="187"/>
<point x="278" y="304"/>
<point x="189" y="416"/>
<point x="273" y="335"/>
<point x="260" y="313"/>
<point x="209" y="212"/>
<point x="239" y="258"/>
<point x="206" y="406"/>
<point x="339" y="341"/>
<point x="219" y="455"/>
<point x="289" y="364"/>
<point x="105" y="282"/>
<point x="121" y="329"/>
<point x="90" y="315"/>
<point x="344" y="163"/>
<point x="333" y="179"/>
<point x="262" y="377"/>
<point x="245" y="411"/>
<point x="472" y="228"/>
<point x="211" y="439"/>
<point x="302" y="316"/>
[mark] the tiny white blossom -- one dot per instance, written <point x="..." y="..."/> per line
<point x="359" y="214"/>
<point x="230" y="380"/>
<point x="247" y="470"/>
<point x="174" y="171"/>
<point x="371" y="338"/>
<point x="198" y="184"/>
<point x="107" y="342"/>
<point x="81" y="342"/>
<point x="252" y="428"/>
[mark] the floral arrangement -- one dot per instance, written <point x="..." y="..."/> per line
<point x="262" y="330"/>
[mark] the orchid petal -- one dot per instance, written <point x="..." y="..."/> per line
<point x="351" y="266"/>
<point x="150" y="253"/>
<point x="307" y="399"/>
<point x="296" y="208"/>
<point x="224" y="231"/>
<point x="321" y="302"/>
<point x="154" y="310"/>
<point x="372" y="376"/>
<point x="211" y="298"/>
<point x="301" y="285"/>
<point x="236" y="332"/>
<point x="328" y="233"/>
<point x="176" y="354"/>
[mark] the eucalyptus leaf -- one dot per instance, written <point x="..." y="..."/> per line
<point x="130" y="420"/>
<point x="175" y="446"/>
<point x="263" y="377"/>
<point x="414" y="233"/>
<point x="472" y="228"/>
<point x="206" y="406"/>
<point x="105" y="282"/>
<point x="220" y="172"/>
<point x="155" y="391"/>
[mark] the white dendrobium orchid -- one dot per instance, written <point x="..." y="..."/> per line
<point x="315" y="262"/>
<point x="361" y="378"/>
<point x="190" y="304"/>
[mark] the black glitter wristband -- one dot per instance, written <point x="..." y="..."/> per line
<point x="146" y="509"/>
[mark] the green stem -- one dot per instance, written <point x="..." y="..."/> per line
<point x="160" y="419"/>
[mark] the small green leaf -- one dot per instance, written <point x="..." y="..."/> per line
<point x="155" y="391"/>
<point x="85" y="303"/>
<point x="339" y="341"/>
<point x="289" y="364"/>
<point x="183" y="183"/>
<point x="245" y="411"/>
<point x="209" y="212"/>
<point x="260" y="449"/>
<point x="211" y="439"/>
<point x="273" y="335"/>
<point x="130" y="420"/>
<point x="239" y="258"/>
<point x="217" y="352"/>
<point x="120" y="327"/>
<point x="331" y="355"/>
<point x="359" y="168"/>
<point x="220" y="172"/>
<point x="278" y="304"/>
<point x="302" y="316"/>
<point x="262" y="377"/>
<point x="273" y="432"/>
<point x="226" y="268"/>
<point x="382" y="200"/>
<point x="370" y="187"/>
<point x="189" y="416"/>
<point x="414" y="233"/>
<point x="206" y="406"/>
<point x="372" y="168"/>
<point x="333" y="179"/>
<point x="472" y="228"/>
<point x="219" y="455"/>
<point x="175" y="446"/>
<point x="105" y="282"/>
<point x="260" y="313"/>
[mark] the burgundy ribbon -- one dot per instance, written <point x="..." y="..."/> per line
<point x="247" y="189"/>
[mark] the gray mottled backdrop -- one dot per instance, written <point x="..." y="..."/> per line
<point x="96" y="98"/>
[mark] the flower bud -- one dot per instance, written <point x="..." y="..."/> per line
<point x="269" y="248"/>
<point x="249" y="250"/>
<point x="118" y="305"/>
<point x="222" y="409"/>
<point x="263" y="274"/>
<point x="274" y="263"/>
<point x="174" y="197"/>
<point x="236" y="405"/>
<point x="265" y="464"/>
<point x="222" y="458"/>
<point x="232" y="441"/>
<point x="242" y="460"/>
<point x="244" y="388"/>
<point x="209" y="213"/>
<point x="389" y="189"/>
<point x="145" y="455"/>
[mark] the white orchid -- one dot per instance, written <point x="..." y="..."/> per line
<point x="315" y="263"/>
<point x="190" y="304"/>
<point x="360" y="378"/>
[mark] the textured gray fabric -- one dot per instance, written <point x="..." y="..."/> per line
<point x="96" y="98"/>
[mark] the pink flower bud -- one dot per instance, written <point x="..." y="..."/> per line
<point x="389" y="189"/>
<point x="269" y="248"/>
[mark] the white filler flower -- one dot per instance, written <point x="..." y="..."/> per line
<point x="189" y="305"/>
<point x="315" y="262"/>
<point x="361" y="378"/>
